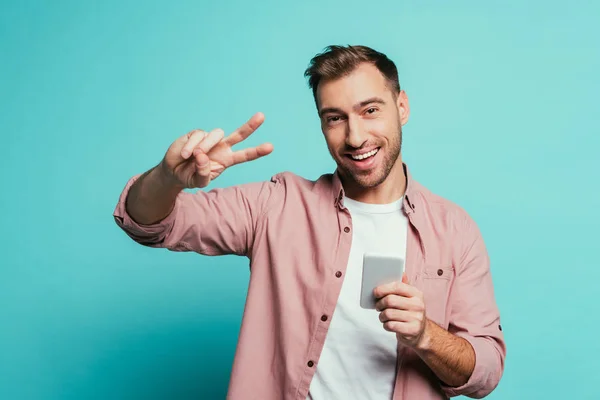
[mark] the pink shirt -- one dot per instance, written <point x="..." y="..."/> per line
<point x="297" y="236"/>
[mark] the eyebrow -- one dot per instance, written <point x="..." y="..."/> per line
<point x="372" y="100"/>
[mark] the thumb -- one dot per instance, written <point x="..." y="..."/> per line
<point x="202" y="166"/>
<point x="404" y="278"/>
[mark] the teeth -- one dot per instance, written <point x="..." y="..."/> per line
<point x="366" y="155"/>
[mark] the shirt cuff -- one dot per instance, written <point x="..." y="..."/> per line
<point x="150" y="235"/>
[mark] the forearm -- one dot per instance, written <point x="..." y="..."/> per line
<point x="152" y="197"/>
<point x="450" y="357"/>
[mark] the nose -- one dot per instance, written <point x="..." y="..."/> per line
<point x="355" y="136"/>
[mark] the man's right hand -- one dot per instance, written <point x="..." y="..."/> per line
<point x="198" y="157"/>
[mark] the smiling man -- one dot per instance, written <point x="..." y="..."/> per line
<point x="434" y="334"/>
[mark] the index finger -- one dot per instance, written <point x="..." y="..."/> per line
<point x="397" y="288"/>
<point x="210" y="140"/>
<point x="245" y="130"/>
<point x="251" y="154"/>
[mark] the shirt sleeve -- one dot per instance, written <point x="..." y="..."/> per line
<point x="475" y="317"/>
<point x="216" y="222"/>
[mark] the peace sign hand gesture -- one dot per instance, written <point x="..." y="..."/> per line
<point x="198" y="157"/>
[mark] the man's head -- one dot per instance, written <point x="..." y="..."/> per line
<point x="362" y="110"/>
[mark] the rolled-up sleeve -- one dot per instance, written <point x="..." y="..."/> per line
<point x="149" y="235"/>
<point x="217" y="222"/>
<point x="475" y="316"/>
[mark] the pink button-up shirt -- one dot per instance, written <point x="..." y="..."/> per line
<point x="297" y="236"/>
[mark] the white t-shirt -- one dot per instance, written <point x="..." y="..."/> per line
<point x="359" y="356"/>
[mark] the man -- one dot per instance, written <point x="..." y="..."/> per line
<point x="433" y="335"/>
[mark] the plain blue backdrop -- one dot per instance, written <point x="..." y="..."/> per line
<point x="504" y="122"/>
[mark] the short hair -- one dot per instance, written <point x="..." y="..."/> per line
<point x="338" y="61"/>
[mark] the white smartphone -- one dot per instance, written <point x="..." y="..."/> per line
<point x="378" y="269"/>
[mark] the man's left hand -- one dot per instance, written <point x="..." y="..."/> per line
<point x="402" y="310"/>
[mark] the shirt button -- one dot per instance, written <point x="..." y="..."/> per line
<point x="338" y="274"/>
<point x="324" y="318"/>
<point x="440" y="272"/>
<point x="310" y="363"/>
<point x="346" y="229"/>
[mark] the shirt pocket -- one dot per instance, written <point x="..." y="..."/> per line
<point x="436" y="282"/>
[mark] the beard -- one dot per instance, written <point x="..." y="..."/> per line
<point x="373" y="178"/>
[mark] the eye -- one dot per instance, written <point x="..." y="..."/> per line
<point x="334" y="118"/>
<point x="371" y="110"/>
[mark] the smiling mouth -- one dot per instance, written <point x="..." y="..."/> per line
<point x="364" y="156"/>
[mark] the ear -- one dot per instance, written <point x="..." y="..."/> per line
<point x="403" y="107"/>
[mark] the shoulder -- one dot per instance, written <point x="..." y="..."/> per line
<point x="292" y="181"/>
<point x="440" y="208"/>
<point x="450" y="222"/>
<point x="293" y="192"/>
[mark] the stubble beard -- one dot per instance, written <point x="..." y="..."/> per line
<point x="371" y="179"/>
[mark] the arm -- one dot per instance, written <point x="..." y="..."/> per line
<point x="475" y="317"/>
<point x="216" y="222"/>
<point x="154" y="210"/>
<point x="152" y="197"/>
<point x="450" y="357"/>
<point x="468" y="358"/>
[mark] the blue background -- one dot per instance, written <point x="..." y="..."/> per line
<point x="504" y="122"/>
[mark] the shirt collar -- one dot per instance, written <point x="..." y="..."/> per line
<point x="409" y="206"/>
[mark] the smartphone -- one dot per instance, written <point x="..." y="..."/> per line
<point x="378" y="269"/>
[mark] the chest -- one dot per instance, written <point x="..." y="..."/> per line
<point x="310" y="257"/>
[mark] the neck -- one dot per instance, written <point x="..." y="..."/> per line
<point x="386" y="192"/>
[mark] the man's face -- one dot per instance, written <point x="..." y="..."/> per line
<point x="362" y="123"/>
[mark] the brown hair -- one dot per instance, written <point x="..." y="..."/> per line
<point x="338" y="61"/>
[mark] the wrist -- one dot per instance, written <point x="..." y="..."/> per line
<point x="166" y="180"/>
<point x="424" y="343"/>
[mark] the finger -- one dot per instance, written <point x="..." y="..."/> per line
<point x="396" y="302"/>
<point x="402" y="328"/>
<point x="251" y="154"/>
<point x="245" y="130"/>
<point x="194" y="137"/>
<point x="202" y="164"/>
<point x="391" y="314"/>
<point x="209" y="141"/>
<point x="396" y="287"/>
